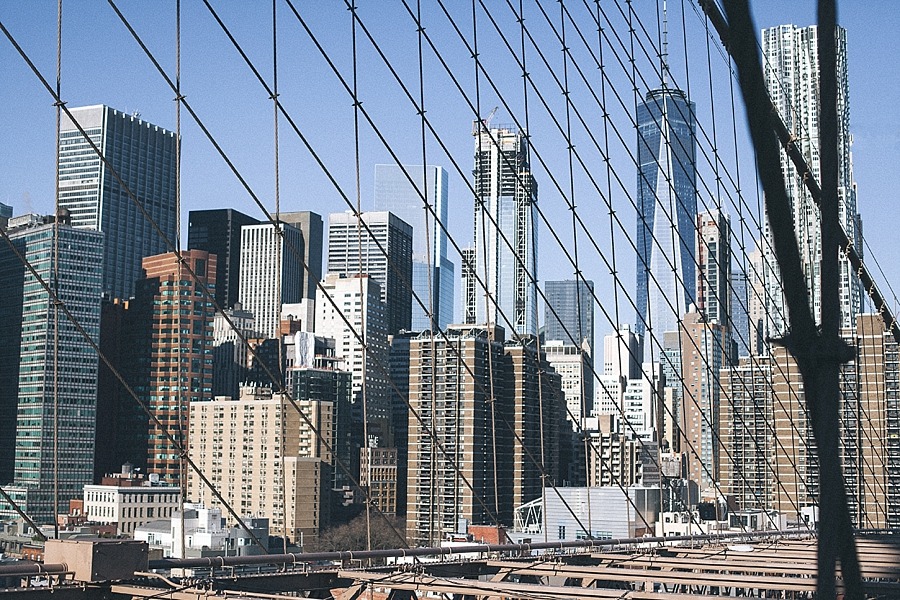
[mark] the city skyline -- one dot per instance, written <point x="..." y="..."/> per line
<point x="518" y="407"/>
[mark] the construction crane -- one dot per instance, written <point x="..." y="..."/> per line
<point x="485" y="123"/>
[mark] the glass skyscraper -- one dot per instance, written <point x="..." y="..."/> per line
<point x="395" y="193"/>
<point x="667" y="214"/>
<point x="573" y="302"/>
<point x="219" y="231"/>
<point x="144" y="157"/>
<point x="506" y="198"/>
<point x="29" y="347"/>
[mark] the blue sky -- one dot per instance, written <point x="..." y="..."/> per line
<point x="102" y="64"/>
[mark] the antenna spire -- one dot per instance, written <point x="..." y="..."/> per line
<point x="664" y="53"/>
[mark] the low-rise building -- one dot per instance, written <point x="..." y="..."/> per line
<point x="129" y="500"/>
<point x="205" y="534"/>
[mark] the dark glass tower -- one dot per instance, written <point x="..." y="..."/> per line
<point x="218" y="231"/>
<point x="667" y="213"/>
<point x="573" y="302"/>
<point x="143" y="155"/>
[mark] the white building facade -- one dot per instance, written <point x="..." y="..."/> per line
<point x="129" y="507"/>
<point x="271" y="272"/>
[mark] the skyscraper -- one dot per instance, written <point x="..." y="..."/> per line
<point x="622" y="353"/>
<point x="569" y="311"/>
<point x="714" y="289"/>
<point x="505" y="231"/>
<point x="218" y="231"/>
<point x="573" y="364"/>
<point x="310" y="226"/>
<point x="791" y="68"/>
<point x="667" y="213"/>
<point x="395" y="193"/>
<point x="352" y="250"/>
<point x="713" y="255"/>
<point x="168" y="390"/>
<point x="5" y="214"/>
<point x="270" y="273"/>
<point x="143" y="155"/>
<point x="29" y="345"/>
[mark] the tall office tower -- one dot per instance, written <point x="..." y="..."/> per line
<point x="333" y="390"/>
<point x="352" y="250"/>
<point x="395" y="193"/>
<point x="32" y="340"/>
<point x="642" y="400"/>
<point x="670" y="361"/>
<point x="505" y="230"/>
<point x="622" y="353"/>
<point x="745" y="427"/>
<point x="230" y="350"/>
<point x="310" y="226"/>
<point x="450" y="379"/>
<point x="574" y="365"/>
<point x="271" y="274"/>
<point x="791" y="67"/>
<point x="713" y="254"/>
<point x="263" y="457"/>
<point x="358" y="300"/>
<point x="538" y="408"/>
<point x="218" y="231"/>
<point x="111" y="450"/>
<point x="167" y="358"/>
<point x="572" y="301"/>
<point x="703" y="356"/>
<point x="667" y="214"/>
<point x="143" y="155"/>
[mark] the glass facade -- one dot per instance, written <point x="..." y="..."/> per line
<point x="667" y="213"/>
<point x="32" y="352"/>
<point x="572" y="302"/>
<point x="218" y="231"/>
<point x="505" y="232"/>
<point x="143" y="155"/>
<point x="353" y="250"/>
<point x="395" y="193"/>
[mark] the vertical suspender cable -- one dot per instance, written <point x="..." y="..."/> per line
<point x="281" y="362"/>
<point x="180" y="290"/>
<point x="364" y="275"/>
<point x="570" y="147"/>
<point x="483" y="250"/>
<point x="56" y="404"/>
